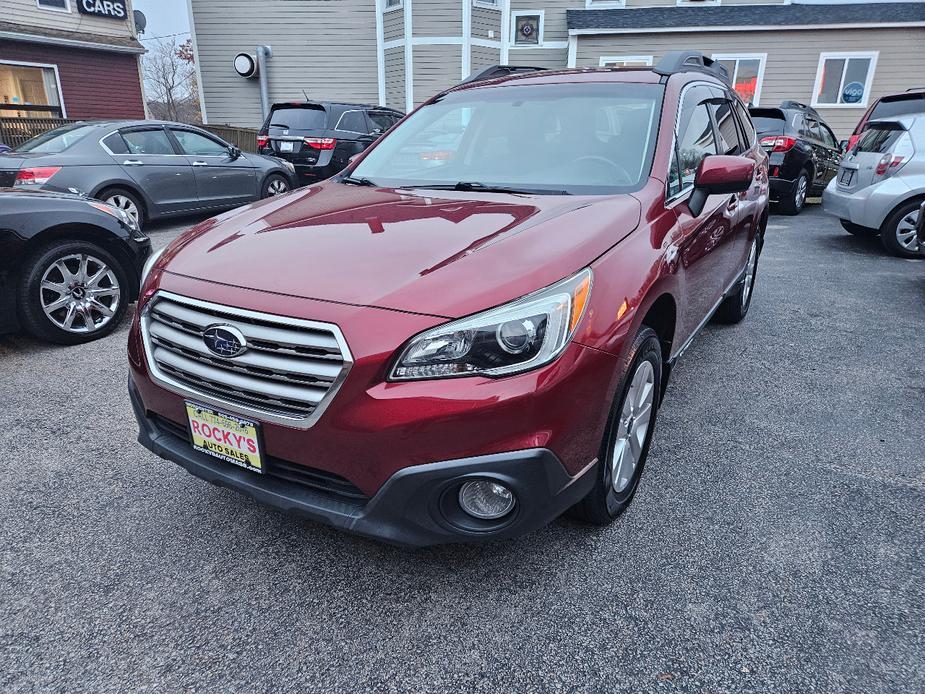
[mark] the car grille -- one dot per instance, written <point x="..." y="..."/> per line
<point x="318" y="480"/>
<point x="288" y="374"/>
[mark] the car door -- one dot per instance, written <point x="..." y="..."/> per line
<point x="160" y="171"/>
<point x="222" y="180"/>
<point x="704" y="242"/>
<point x="833" y="152"/>
<point x="820" y="157"/>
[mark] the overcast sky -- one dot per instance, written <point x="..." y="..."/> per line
<point x="164" y="17"/>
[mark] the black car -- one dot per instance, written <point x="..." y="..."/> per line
<point x="69" y="265"/>
<point x="320" y="137"/>
<point x="804" y="152"/>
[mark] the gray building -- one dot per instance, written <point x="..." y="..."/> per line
<point x="838" y="56"/>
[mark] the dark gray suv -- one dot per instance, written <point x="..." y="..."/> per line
<point x="150" y="169"/>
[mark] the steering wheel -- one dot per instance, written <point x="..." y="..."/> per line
<point x="622" y="175"/>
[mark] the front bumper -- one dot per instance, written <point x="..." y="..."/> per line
<point x="867" y="207"/>
<point x="416" y="506"/>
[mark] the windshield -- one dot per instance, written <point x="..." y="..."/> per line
<point x="577" y="139"/>
<point x="768" y="119"/>
<point x="55" y="141"/>
<point x="298" y="118"/>
<point x="898" y="106"/>
<point x="879" y="137"/>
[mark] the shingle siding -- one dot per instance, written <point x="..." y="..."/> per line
<point x="437" y="18"/>
<point x="395" y="78"/>
<point x="485" y="20"/>
<point x="435" y="68"/>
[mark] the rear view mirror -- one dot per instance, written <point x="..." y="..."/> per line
<point x="234" y="152"/>
<point x="719" y="174"/>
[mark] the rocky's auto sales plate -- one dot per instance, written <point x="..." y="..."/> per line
<point x="225" y="436"/>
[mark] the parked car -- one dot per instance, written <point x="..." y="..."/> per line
<point x="4" y="148"/>
<point x="459" y="353"/>
<point x="891" y="106"/>
<point x="804" y="153"/>
<point x="320" y="137"/>
<point x="150" y="169"/>
<point x="69" y="265"/>
<point x="920" y="229"/>
<point x="881" y="184"/>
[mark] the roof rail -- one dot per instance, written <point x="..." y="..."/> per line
<point x="790" y="103"/>
<point x="690" y="61"/>
<point x="494" y="71"/>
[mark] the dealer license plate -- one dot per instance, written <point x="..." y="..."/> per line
<point x="285" y="146"/>
<point x="226" y="437"/>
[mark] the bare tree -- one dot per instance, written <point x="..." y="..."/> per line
<point x="170" y="81"/>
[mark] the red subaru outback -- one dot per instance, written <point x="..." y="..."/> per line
<point x="470" y="330"/>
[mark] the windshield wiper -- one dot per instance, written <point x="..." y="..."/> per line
<point x="483" y="188"/>
<point x="357" y="181"/>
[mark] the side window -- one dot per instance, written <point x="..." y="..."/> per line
<point x="115" y="144"/>
<point x="381" y="120"/>
<point x="828" y="137"/>
<point x="148" y="142"/>
<point x="353" y="121"/>
<point x="726" y="127"/>
<point x="695" y="135"/>
<point x="745" y="121"/>
<point x="199" y="145"/>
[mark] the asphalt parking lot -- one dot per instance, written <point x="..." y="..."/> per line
<point x="776" y="543"/>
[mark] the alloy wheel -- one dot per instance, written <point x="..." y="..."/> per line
<point x="800" y="197"/>
<point x="277" y="187"/>
<point x="79" y="293"/>
<point x="905" y="231"/>
<point x="750" y="274"/>
<point x="126" y="204"/>
<point x="635" y="416"/>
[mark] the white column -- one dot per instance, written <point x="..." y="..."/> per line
<point x="409" y="58"/>
<point x="466" y="38"/>
<point x="380" y="51"/>
<point x="505" y="30"/>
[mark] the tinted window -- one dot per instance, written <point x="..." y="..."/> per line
<point x="696" y="139"/>
<point x="726" y="126"/>
<point x="748" y="128"/>
<point x="770" y="120"/>
<point x="353" y="121"/>
<point x="878" y="138"/>
<point x="56" y="141"/>
<point x="148" y="142"/>
<point x="115" y="144"/>
<point x="898" y="106"/>
<point x="381" y="120"/>
<point x="828" y="137"/>
<point x="297" y="118"/>
<point x="580" y="138"/>
<point x="199" y="145"/>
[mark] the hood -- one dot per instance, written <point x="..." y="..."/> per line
<point x="444" y="254"/>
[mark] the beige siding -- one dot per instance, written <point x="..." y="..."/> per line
<point x="393" y="24"/>
<point x="395" y="78"/>
<point x="549" y="58"/>
<point x="437" y="18"/>
<point x="483" y="57"/>
<point x="435" y="68"/>
<point x="672" y="3"/>
<point x="308" y="40"/>
<point x="29" y="14"/>
<point x="793" y="58"/>
<point x="485" y="20"/>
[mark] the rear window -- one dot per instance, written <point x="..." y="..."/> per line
<point x="56" y="141"/>
<point x="297" y="118"/>
<point x="879" y="138"/>
<point x="768" y="119"/>
<point x="891" y="107"/>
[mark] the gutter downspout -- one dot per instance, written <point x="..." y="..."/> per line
<point x="264" y="53"/>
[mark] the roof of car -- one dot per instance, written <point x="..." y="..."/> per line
<point x="344" y="104"/>
<point x="570" y="76"/>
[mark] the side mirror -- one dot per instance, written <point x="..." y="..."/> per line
<point x="234" y="152"/>
<point x="719" y="174"/>
<point x="843" y="146"/>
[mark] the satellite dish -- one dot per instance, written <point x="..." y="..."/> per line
<point x="245" y="65"/>
<point x="141" y="22"/>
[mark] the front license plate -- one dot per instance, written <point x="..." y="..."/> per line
<point x="285" y="146"/>
<point x="225" y="436"/>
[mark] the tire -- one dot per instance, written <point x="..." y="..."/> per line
<point x="126" y="200"/>
<point x="794" y="201"/>
<point x="87" y="319"/>
<point x="273" y="185"/>
<point x="606" y="500"/>
<point x="735" y="306"/>
<point x="858" y="230"/>
<point x="899" y="228"/>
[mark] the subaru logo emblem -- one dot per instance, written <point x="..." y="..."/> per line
<point x="224" y="341"/>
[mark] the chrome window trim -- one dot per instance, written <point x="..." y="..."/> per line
<point x="674" y="138"/>
<point x="355" y="132"/>
<point x="183" y="390"/>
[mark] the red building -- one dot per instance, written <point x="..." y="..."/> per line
<point x="74" y="59"/>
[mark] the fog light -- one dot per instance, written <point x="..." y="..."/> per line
<point x="486" y="500"/>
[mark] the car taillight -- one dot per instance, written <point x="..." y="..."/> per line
<point x="263" y="141"/>
<point x="893" y="161"/>
<point x="320" y="142"/>
<point x="36" y="177"/>
<point x="778" y="144"/>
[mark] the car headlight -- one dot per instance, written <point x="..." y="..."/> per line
<point x="289" y="165"/>
<point x="519" y="336"/>
<point x="149" y="263"/>
<point x="125" y="219"/>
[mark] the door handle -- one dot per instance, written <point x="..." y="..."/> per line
<point x="200" y="163"/>
<point x="133" y="162"/>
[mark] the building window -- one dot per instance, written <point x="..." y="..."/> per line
<point x="391" y="5"/>
<point x="57" y="5"/>
<point x="527" y="28"/>
<point x="626" y="61"/>
<point x="603" y="4"/>
<point x="843" y="79"/>
<point x="746" y="73"/>
<point x="30" y="90"/>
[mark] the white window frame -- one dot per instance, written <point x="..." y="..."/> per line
<point x="487" y="4"/>
<point x="45" y="66"/>
<point x="605" y="59"/>
<point x="527" y="13"/>
<point x="66" y="8"/>
<point x="604" y="4"/>
<point x="398" y="6"/>
<point x="846" y="55"/>
<point x="762" y="59"/>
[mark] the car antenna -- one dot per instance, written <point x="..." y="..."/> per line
<point x="305" y="94"/>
